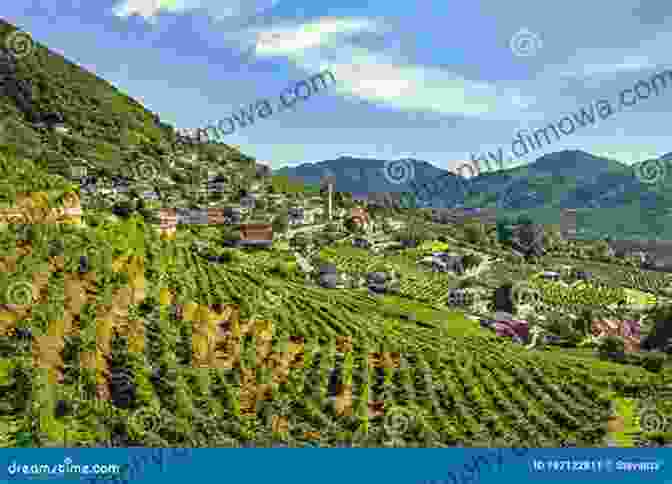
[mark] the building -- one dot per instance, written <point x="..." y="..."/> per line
<point x="360" y="217"/>
<point x="262" y="170"/>
<point x="568" y="224"/>
<point x="460" y="297"/>
<point x="630" y="331"/>
<point x="296" y="215"/>
<point x="256" y="235"/>
<point x="550" y="276"/>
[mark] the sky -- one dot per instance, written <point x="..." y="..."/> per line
<point x="442" y="82"/>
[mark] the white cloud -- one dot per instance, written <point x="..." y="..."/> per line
<point x="217" y="9"/>
<point x="148" y="9"/>
<point x="387" y="79"/>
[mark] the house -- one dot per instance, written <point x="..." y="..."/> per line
<point x="55" y="122"/>
<point x="361" y="243"/>
<point x="661" y="264"/>
<point x="262" y="171"/>
<point x="550" y="276"/>
<point x="231" y="215"/>
<point x="360" y="217"/>
<point x="455" y="263"/>
<point x="504" y="325"/>
<point x="256" y="235"/>
<point x="629" y="330"/>
<point x="583" y="275"/>
<point x="247" y="202"/>
<point x="296" y="215"/>
<point x="460" y="297"/>
<point x="217" y="184"/>
<point x="216" y="216"/>
<point x="187" y="216"/>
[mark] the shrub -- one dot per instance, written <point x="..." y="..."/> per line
<point x="468" y="282"/>
<point x="612" y="344"/>
<point x="471" y="260"/>
<point x="653" y="361"/>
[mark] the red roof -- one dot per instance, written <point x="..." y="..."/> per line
<point x="359" y="213"/>
<point x="256" y="232"/>
<point x="628" y="330"/>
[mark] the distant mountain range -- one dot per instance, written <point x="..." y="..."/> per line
<point x="612" y="198"/>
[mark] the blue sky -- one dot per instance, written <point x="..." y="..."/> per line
<point x="431" y="80"/>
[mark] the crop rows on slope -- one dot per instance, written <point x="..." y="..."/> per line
<point x="585" y="295"/>
<point x="204" y="406"/>
<point x="415" y="284"/>
<point x="646" y="281"/>
<point x="431" y="288"/>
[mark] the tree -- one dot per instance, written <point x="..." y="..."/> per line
<point x="475" y="233"/>
<point x="502" y="299"/>
<point x="584" y="323"/>
<point x="529" y="239"/>
<point x="300" y="242"/>
<point x="504" y="232"/>
<point x="280" y="223"/>
<point x="471" y="260"/>
<point x="612" y="346"/>
<point x="353" y="227"/>
<point x="660" y="337"/>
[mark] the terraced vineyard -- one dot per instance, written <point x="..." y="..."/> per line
<point x="645" y="281"/>
<point x="578" y="296"/>
<point x="416" y="283"/>
<point x="134" y="377"/>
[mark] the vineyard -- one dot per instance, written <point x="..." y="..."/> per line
<point x="292" y="363"/>
<point x="578" y="296"/>
<point x="416" y="283"/>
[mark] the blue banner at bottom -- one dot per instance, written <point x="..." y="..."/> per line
<point x="336" y="465"/>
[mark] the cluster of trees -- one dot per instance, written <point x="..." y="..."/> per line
<point x="522" y="234"/>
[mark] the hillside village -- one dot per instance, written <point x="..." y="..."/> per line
<point x="147" y="277"/>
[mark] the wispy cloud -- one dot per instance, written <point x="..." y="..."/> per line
<point x="385" y="78"/>
<point x="217" y="9"/>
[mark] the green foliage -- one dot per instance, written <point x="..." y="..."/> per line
<point x="612" y="344"/>
<point x="471" y="260"/>
<point x="280" y="223"/>
<point x="654" y="361"/>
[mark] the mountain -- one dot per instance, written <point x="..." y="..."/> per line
<point x="611" y="195"/>
<point x="361" y="175"/>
